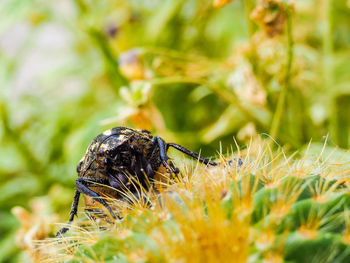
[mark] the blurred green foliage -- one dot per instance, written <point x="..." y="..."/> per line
<point x="190" y="72"/>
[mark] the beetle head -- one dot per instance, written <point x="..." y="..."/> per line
<point x="116" y="154"/>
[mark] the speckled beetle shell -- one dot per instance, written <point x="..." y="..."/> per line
<point x="105" y="146"/>
<point x="123" y="162"/>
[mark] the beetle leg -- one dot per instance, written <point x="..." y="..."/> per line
<point x="118" y="181"/>
<point x="163" y="156"/>
<point x="149" y="171"/>
<point x="141" y="164"/>
<point x="72" y="213"/>
<point x="82" y="184"/>
<point x="162" y="150"/>
<point x="237" y="160"/>
<point x="143" y="171"/>
<point x="192" y="154"/>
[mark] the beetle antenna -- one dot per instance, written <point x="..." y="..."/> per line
<point x="192" y="154"/>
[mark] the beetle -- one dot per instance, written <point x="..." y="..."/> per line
<point x="117" y="156"/>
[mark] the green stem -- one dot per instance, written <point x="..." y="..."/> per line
<point x="282" y="98"/>
<point x="328" y="41"/>
<point x="248" y="7"/>
<point x="111" y="61"/>
<point x="328" y="67"/>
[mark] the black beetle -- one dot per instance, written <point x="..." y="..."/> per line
<point x="117" y="156"/>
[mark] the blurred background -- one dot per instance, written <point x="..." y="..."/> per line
<point x="195" y="72"/>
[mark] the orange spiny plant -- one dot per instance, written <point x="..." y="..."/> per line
<point x="269" y="209"/>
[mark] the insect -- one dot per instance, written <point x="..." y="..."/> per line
<point x="118" y="155"/>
